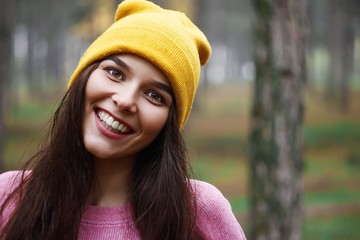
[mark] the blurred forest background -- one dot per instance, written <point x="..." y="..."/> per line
<point x="41" y="42"/>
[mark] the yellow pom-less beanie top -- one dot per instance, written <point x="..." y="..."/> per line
<point x="164" y="37"/>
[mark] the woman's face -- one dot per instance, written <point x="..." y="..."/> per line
<point x="127" y="102"/>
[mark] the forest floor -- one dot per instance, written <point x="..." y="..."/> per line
<point x="217" y="133"/>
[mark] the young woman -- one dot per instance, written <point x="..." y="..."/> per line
<point x="114" y="165"/>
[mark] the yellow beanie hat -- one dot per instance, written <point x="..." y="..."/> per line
<point x="164" y="37"/>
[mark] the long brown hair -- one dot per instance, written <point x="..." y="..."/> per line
<point x="161" y="196"/>
<point x="51" y="199"/>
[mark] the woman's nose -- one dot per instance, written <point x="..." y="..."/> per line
<point x="126" y="99"/>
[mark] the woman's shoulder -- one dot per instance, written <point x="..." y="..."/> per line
<point x="215" y="217"/>
<point x="207" y="194"/>
<point x="7" y="178"/>
<point x="10" y="180"/>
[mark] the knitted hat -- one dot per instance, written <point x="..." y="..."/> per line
<point x="164" y="37"/>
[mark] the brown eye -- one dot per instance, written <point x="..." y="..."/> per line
<point x="118" y="75"/>
<point x="154" y="96"/>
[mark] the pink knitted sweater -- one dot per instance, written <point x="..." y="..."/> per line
<point x="215" y="218"/>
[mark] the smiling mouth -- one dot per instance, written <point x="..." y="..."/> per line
<point x="111" y="124"/>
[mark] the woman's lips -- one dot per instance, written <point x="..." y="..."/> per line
<point x="110" y="126"/>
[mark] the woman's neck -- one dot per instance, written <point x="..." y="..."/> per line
<point x="111" y="182"/>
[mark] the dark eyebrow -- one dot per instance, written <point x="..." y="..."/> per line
<point x="164" y="88"/>
<point x="119" y="62"/>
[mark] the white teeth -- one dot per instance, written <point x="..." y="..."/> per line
<point x="121" y="127"/>
<point x="105" y="117"/>
<point x="111" y="123"/>
<point x="115" y="124"/>
<point x="101" y="115"/>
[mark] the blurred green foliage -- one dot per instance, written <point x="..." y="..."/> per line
<point x="341" y="227"/>
<point x="329" y="135"/>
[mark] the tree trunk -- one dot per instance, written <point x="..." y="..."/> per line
<point x="276" y="138"/>
<point x="333" y="33"/>
<point x="341" y="32"/>
<point x="32" y="62"/>
<point x="347" y="63"/>
<point x="6" y="28"/>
